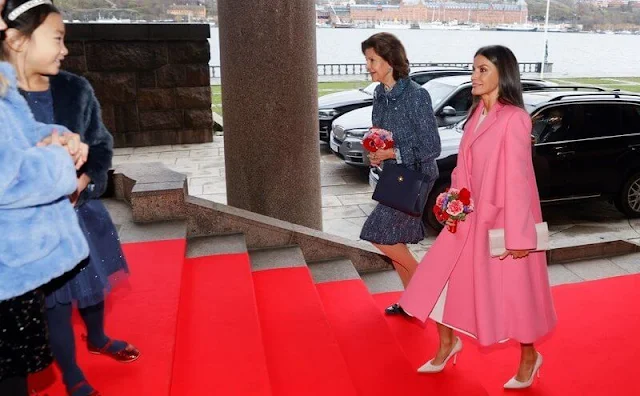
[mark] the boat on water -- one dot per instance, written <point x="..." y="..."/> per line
<point x="343" y="25"/>
<point x="393" y="26"/>
<point x="517" y="27"/>
<point x="451" y="25"/>
<point x="111" y="20"/>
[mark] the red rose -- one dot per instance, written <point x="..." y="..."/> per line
<point x="369" y="144"/>
<point x="465" y="196"/>
<point x="441" y="215"/>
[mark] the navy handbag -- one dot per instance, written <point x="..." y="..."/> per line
<point x="403" y="189"/>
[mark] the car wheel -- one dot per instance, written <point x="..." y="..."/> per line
<point x="628" y="200"/>
<point x="428" y="217"/>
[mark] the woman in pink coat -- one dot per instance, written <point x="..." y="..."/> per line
<point x="458" y="284"/>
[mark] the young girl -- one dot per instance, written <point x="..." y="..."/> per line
<point x="34" y="44"/>
<point x="42" y="238"/>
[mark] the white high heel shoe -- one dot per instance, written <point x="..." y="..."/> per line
<point x="431" y="368"/>
<point x="513" y="383"/>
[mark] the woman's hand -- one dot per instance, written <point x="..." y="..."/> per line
<point x="53" y="140"/>
<point x="82" y="155"/>
<point x="83" y="182"/>
<point x="78" y="151"/>
<point x="516" y="254"/>
<point x="381" y="155"/>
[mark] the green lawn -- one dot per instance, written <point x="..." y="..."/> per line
<point x="631" y="84"/>
<point x="323" y="89"/>
<point x="216" y="98"/>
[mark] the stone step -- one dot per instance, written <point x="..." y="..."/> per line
<point x="218" y="122"/>
<point x="216" y="244"/>
<point x="276" y="257"/>
<point x="598" y="250"/>
<point x="383" y="281"/>
<point x="333" y="270"/>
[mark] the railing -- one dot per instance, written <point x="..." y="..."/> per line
<point x="358" y="69"/>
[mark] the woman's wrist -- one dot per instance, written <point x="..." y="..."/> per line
<point x="397" y="156"/>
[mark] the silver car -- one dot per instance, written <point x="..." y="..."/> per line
<point x="451" y="100"/>
<point x="333" y="105"/>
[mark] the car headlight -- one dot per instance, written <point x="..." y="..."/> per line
<point x="327" y="114"/>
<point x="357" y="133"/>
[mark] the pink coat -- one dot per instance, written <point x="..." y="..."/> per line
<point x="489" y="298"/>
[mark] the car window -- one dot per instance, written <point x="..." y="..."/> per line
<point x="370" y="88"/>
<point x="461" y="101"/>
<point x="577" y="121"/>
<point x="630" y="119"/>
<point x="423" y="78"/>
<point x="438" y="91"/>
<point x="594" y="120"/>
<point x="551" y="124"/>
<point x="426" y="77"/>
<point x="526" y="85"/>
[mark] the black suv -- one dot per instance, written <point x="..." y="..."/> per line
<point x="333" y="105"/>
<point x="586" y="145"/>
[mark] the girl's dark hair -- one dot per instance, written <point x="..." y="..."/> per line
<point x="389" y="48"/>
<point x="509" y="85"/>
<point x="28" y="21"/>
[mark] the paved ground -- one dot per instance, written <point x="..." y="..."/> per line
<point x="346" y="196"/>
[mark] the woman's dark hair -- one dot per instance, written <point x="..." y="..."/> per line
<point x="28" y="21"/>
<point x="509" y="85"/>
<point x="389" y="48"/>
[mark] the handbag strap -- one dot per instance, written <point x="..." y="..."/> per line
<point x="416" y="163"/>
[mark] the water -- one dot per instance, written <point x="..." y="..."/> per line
<point x="572" y="54"/>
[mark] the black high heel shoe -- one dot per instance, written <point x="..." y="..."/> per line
<point x="395" y="309"/>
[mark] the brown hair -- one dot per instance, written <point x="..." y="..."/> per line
<point x="389" y="48"/>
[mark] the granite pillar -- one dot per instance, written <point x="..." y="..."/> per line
<point x="270" y="101"/>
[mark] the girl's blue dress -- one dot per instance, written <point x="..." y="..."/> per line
<point x="87" y="283"/>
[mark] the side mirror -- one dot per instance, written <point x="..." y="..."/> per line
<point x="448" y="111"/>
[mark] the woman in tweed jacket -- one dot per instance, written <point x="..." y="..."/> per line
<point x="404" y="108"/>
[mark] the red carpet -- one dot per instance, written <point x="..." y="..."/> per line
<point x="143" y="313"/>
<point x="331" y="339"/>
<point x="219" y="344"/>
<point x="593" y="351"/>
<point x="303" y="356"/>
<point x="376" y="362"/>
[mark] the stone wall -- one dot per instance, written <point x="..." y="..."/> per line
<point x="152" y="80"/>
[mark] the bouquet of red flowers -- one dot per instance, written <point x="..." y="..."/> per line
<point x="453" y="204"/>
<point x="377" y="139"/>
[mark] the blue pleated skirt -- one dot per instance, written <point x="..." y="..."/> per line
<point x="93" y="277"/>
